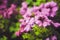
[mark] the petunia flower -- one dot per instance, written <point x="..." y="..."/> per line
<point x="53" y="8"/>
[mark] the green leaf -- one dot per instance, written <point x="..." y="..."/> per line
<point x="11" y="28"/>
<point x="3" y="38"/>
<point x="14" y="27"/>
<point x="1" y="25"/>
<point x="28" y="1"/>
<point x="13" y="36"/>
<point x="38" y="39"/>
<point x="26" y="35"/>
<point x="37" y="33"/>
<point x="17" y="26"/>
<point x="38" y="2"/>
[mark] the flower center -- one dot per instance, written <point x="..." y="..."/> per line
<point x="49" y="7"/>
<point x="41" y="19"/>
<point x="32" y="15"/>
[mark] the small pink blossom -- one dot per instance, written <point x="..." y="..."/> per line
<point x="56" y="24"/>
<point x="47" y="38"/>
<point x="53" y="8"/>
<point x="17" y="33"/>
<point x="54" y="38"/>
<point x="24" y="5"/>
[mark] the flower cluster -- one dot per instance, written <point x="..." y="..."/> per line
<point x="9" y="11"/>
<point x="38" y="15"/>
<point x="3" y="4"/>
<point x="4" y="11"/>
<point x="52" y="38"/>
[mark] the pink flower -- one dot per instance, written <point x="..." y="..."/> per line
<point x="23" y="8"/>
<point x="54" y="38"/>
<point x="56" y="24"/>
<point x="8" y="12"/>
<point x="53" y="8"/>
<point x="22" y="11"/>
<point x="42" y="20"/>
<point x="26" y="25"/>
<point x="37" y="15"/>
<point x="41" y="6"/>
<point x="47" y="39"/>
<point x="35" y="8"/>
<point x="52" y="4"/>
<point x="24" y="5"/>
<point x="45" y="11"/>
<point x="40" y="13"/>
<point x="3" y="4"/>
<point x="17" y="33"/>
<point x="27" y="28"/>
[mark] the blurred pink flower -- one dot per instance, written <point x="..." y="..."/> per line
<point x="6" y="13"/>
<point x="23" y="8"/>
<point x="17" y="33"/>
<point x="24" y="5"/>
<point x="56" y="24"/>
<point x="3" y="4"/>
<point x="47" y="38"/>
<point x="54" y="38"/>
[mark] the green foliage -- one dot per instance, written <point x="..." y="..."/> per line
<point x="37" y="3"/>
<point x="3" y="38"/>
<point x="38" y="39"/>
<point x="13" y="36"/>
<point x="41" y="31"/>
<point x="29" y="1"/>
<point x="37" y="33"/>
<point x="27" y="36"/>
<point x="1" y="26"/>
<point x="14" y="27"/>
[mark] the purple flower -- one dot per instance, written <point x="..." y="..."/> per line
<point x="22" y="11"/>
<point x="11" y="10"/>
<point x="26" y="25"/>
<point x="52" y="38"/>
<point x="8" y="11"/>
<point x="55" y="24"/>
<point x="17" y="33"/>
<point x="35" y="8"/>
<point x="24" y="5"/>
<point x="42" y="20"/>
<point x="37" y="15"/>
<point x="23" y="8"/>
<point x="53" y="8"/>
<point x="45" y="11"/>
<point x="40" y="13"/>
<point x="3" y="4"/>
